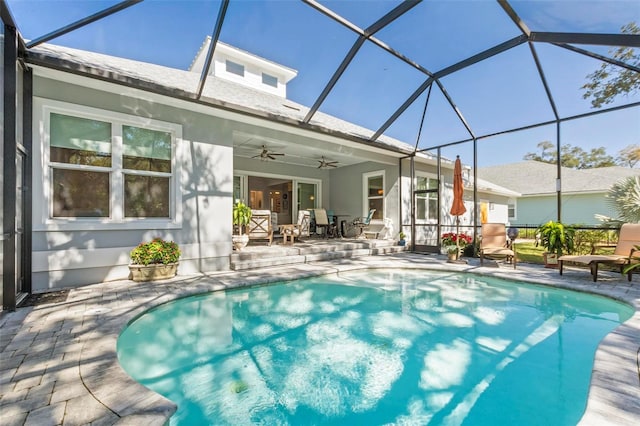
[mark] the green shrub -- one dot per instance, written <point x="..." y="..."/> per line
<point x="584" y="240"/>
<point x="154" y="252"/>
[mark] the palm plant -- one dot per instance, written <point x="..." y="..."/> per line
<point x="624" y="198"/>
<point x="556" y="237"/>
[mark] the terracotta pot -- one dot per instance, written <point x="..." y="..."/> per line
<point x="550" y="260"/>
<point x="152" y="272"/>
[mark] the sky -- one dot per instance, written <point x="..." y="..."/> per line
<point x="498" y="94"/>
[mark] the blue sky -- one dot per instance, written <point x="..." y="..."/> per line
<point x="498" y="94"/>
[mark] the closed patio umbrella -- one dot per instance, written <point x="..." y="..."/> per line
<point x="457" y="207"/>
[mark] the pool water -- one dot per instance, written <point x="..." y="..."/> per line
<point x="374" y="348"/>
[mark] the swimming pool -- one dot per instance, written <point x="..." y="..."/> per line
<point x="374" y="347"/>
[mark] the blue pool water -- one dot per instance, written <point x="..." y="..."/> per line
<point x="374" y="348"/>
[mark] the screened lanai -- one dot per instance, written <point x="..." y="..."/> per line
<point x="484" y="80"/>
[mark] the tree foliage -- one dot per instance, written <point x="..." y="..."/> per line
<point x="629" y="156"/>
<point x="610" y="80"/>
<point x="624" y="198"/>
<point x="572" y="157"/>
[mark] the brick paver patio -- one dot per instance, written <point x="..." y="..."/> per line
<point x="58" y="362"/>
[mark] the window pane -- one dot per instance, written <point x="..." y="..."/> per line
<point x="375" y="186"/>
<point x="433" y="209"/>
<point x="376" y="204"/>
<point x="234" y="68"/>
<point x="146" y="149"/>
<point x="421" y="183"/>
<point x="237" y="188"/>
<point x="146" y="196"/>
<point x="269" y="80"/>
<point x="306" y="196"/>
<point x="79" y="193"/>
<point x="421" y="208"/>
<point x="76" y="140"/>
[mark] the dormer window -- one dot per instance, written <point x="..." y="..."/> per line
<point x="235" y="68"/>
<point x="270" y="80"/>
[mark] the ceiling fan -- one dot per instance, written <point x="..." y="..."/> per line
<point x="266" y="154"/>
<point x="324" y="164"/>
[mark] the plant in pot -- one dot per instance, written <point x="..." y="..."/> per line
<point x="155" y="260"/>
<point x="402" y="239"/>
<point x="241" y="218"/>
<point x="556" y="239"/>
<point x="453" y="242"/>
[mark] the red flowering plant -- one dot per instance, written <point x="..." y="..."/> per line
<point x="451" y="241"/>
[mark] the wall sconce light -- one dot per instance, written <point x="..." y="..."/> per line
<point x="311" y="197"/>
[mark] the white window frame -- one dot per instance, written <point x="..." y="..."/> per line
<point x="42" y="175"/>
<point x="515" y="210"/>
<point x="420" y="174"/>
<point x="366" y="198"/>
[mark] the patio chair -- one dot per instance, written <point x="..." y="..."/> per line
<point x="296" y="230"/>
<point x="322" y="221"/>
<point x="260" y="226"/>
<point x="494" y="245"/>
<point x="624" y="250"/>
<point x="364" y="224"/>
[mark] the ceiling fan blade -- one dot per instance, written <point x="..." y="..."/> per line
<point x="331" y="165"/>
<point x="320" y="166"/>
<point x="256" y="156"/>
<point x="276" y="153"/>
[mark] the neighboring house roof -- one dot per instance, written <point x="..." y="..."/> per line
<point x="491" y="188"/>
<point x="217" y="92"/>
<point x="537" y="178"/>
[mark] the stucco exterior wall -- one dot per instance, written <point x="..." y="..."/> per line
<point x="70" y="257"/>
<point x="576" y="209"/>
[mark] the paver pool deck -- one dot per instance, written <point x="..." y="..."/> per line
<point x="58" y="363"/>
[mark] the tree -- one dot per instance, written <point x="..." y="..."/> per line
<point x="624" y="198"/>
<point x="572" y="157"/>
<point x="629" y="156"/>
<point x="610" y="80"/>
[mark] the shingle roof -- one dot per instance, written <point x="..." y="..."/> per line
<point x="537" y="178"/>
<point x="217" y="91"/>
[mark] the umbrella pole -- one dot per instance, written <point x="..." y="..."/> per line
<point x="457" y="237"/>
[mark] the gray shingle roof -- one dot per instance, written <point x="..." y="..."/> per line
<point x="537" y="178"/>
<point x="217" y="91"/>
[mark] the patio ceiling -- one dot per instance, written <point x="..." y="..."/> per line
<point x="430" y="74"/>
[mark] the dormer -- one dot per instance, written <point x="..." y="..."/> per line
<point x="244" y="68"/>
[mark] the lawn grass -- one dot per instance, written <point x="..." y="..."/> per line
<point x="527" y="252"/>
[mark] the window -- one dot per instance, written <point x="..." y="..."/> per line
<point x="426" y="194"/>
<point x="235" y="68"/>
<point x="511" y="207"/>
<point x="80" y="155"/>
<point x="374" y="193"/>
<point x="269" y="80"/>
<point x="107" y="166"/>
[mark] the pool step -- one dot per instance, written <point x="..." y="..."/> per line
<point x="262" y="256"/>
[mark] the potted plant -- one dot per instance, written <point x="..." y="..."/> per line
<point x="155" y="260"/>
<point x="402" y="239"/>
<point x="556" y="239"/>
<point x="241" y="218"/>
<point x="453" y="242"/>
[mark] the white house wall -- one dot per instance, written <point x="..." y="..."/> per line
<point x="63" y="258"/>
